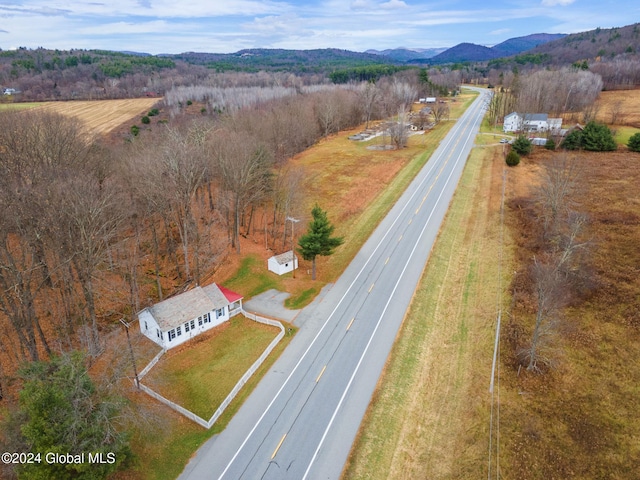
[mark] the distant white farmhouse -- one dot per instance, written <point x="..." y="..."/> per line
<point x="283" y="263"/>
<point x="530" y="122"/>
<point x="180" y="318"/>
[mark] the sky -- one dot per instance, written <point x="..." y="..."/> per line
<point x="226" y="26"/>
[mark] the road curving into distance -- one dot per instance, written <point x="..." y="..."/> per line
<point x="301" y="420"/>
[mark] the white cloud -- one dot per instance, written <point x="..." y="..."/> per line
<point x="556" y="3"/>
<point x="393" y="4"/>
<point x="501" y="31"/>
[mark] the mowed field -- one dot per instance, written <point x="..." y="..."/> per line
<point x="619" y="107"/>
<point x="102" y="116"/>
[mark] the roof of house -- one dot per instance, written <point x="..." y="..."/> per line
<point x="535" y="117"/>
<point x="230" y="295"/>
<point x="283" y="258"/>
<point x="529" y="117"/>
<point x="189" y="305"/>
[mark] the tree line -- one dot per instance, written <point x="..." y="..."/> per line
<point x="83" y="222"/>
<point x="91" y="232"/>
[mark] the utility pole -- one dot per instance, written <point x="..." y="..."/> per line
<point x="133" y="360"/>
<point x="293" y="253"/>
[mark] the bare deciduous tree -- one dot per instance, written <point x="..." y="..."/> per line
<point x="244" y="168"/>
<point x="440" y="112"/>
<point x="553" y="194"/>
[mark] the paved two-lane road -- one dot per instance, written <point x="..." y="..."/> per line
<point x="301" y="420"/>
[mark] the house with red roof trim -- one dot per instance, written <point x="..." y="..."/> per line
<point x="178" y="319"/>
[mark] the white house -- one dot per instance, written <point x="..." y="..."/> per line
<point x="530" y="122"/>
<point x="180" y="318"/>
<point x="283" y="263"/>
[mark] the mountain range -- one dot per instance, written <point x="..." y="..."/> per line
<point x="468" y="52"/>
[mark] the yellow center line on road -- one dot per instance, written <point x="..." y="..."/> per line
<point x="318" y="379"/>
<point x="387" y="260"/>
<point x="371" y="287"/>
<point x="350" y="323"/>
<point x="278" y="447"/>
<point x="400" y="238"/>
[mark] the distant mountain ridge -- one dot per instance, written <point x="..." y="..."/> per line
<point x="468" y="52"/>
<point x="407" y="54"/>
<point x="513" y="46"/>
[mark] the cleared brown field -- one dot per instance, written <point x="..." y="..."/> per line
<point x="102" y="116"/>
<point x="619" y="107"/>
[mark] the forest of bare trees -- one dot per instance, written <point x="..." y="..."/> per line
<point x="555" y="92"/>
<point x="91" y="233"/>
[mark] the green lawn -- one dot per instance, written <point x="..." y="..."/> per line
<point x="17" y="106"/>
<point x="201" y="376"/>
<point x="252" y="278"/>
<point x="164" y="440"/>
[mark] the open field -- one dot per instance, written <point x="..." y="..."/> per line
<point x="430" y="414"/>
<point x="580" y="419"/>
<point x="619" y="107"/>
<point x="102" y="116"/>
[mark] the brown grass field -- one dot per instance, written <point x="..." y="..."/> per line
<point x="580" y="419"/>
<point x="430" y="414"/>
<point x="102" y="116"/>
<point x="626" y="102"/>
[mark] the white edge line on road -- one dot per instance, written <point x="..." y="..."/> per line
<point x="344" y="394"/>
<point x="418" y="187"/>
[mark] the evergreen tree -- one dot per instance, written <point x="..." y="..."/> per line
<point x="512" y="159"/>
<point x="634" y="142"/>
<point x="318" y="239"/>
<point x="596" y="137"/>
<point x="522" y="145"/>
<point x="550" y="145"/>
<point x="65" y="414"/>
<point x="573" y="141"/>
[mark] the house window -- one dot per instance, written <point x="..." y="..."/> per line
<point x="158" y="333"/>
<point x="145" y="326"/>
<point x="219" y="312"/>
<point x="172" y="334"/>
<point x="179" y="331"/>
<point x="200" y="321"/>
<point x="207" y="317"/>
<point x="186" y="327"/>
<point x="193" y="324"/>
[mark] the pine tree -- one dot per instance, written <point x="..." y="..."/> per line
<point x="634" y="142"/>
<point x="597" y="137"/>
<point x="522" y="145"/>
<point x="512" y="159"/>
<point x="318" y="239"/>
<point x="63" y="412"/>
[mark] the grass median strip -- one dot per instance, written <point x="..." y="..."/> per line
<point x="429" y="414"/>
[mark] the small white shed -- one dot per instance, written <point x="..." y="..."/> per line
<point x="283" y="263"/>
